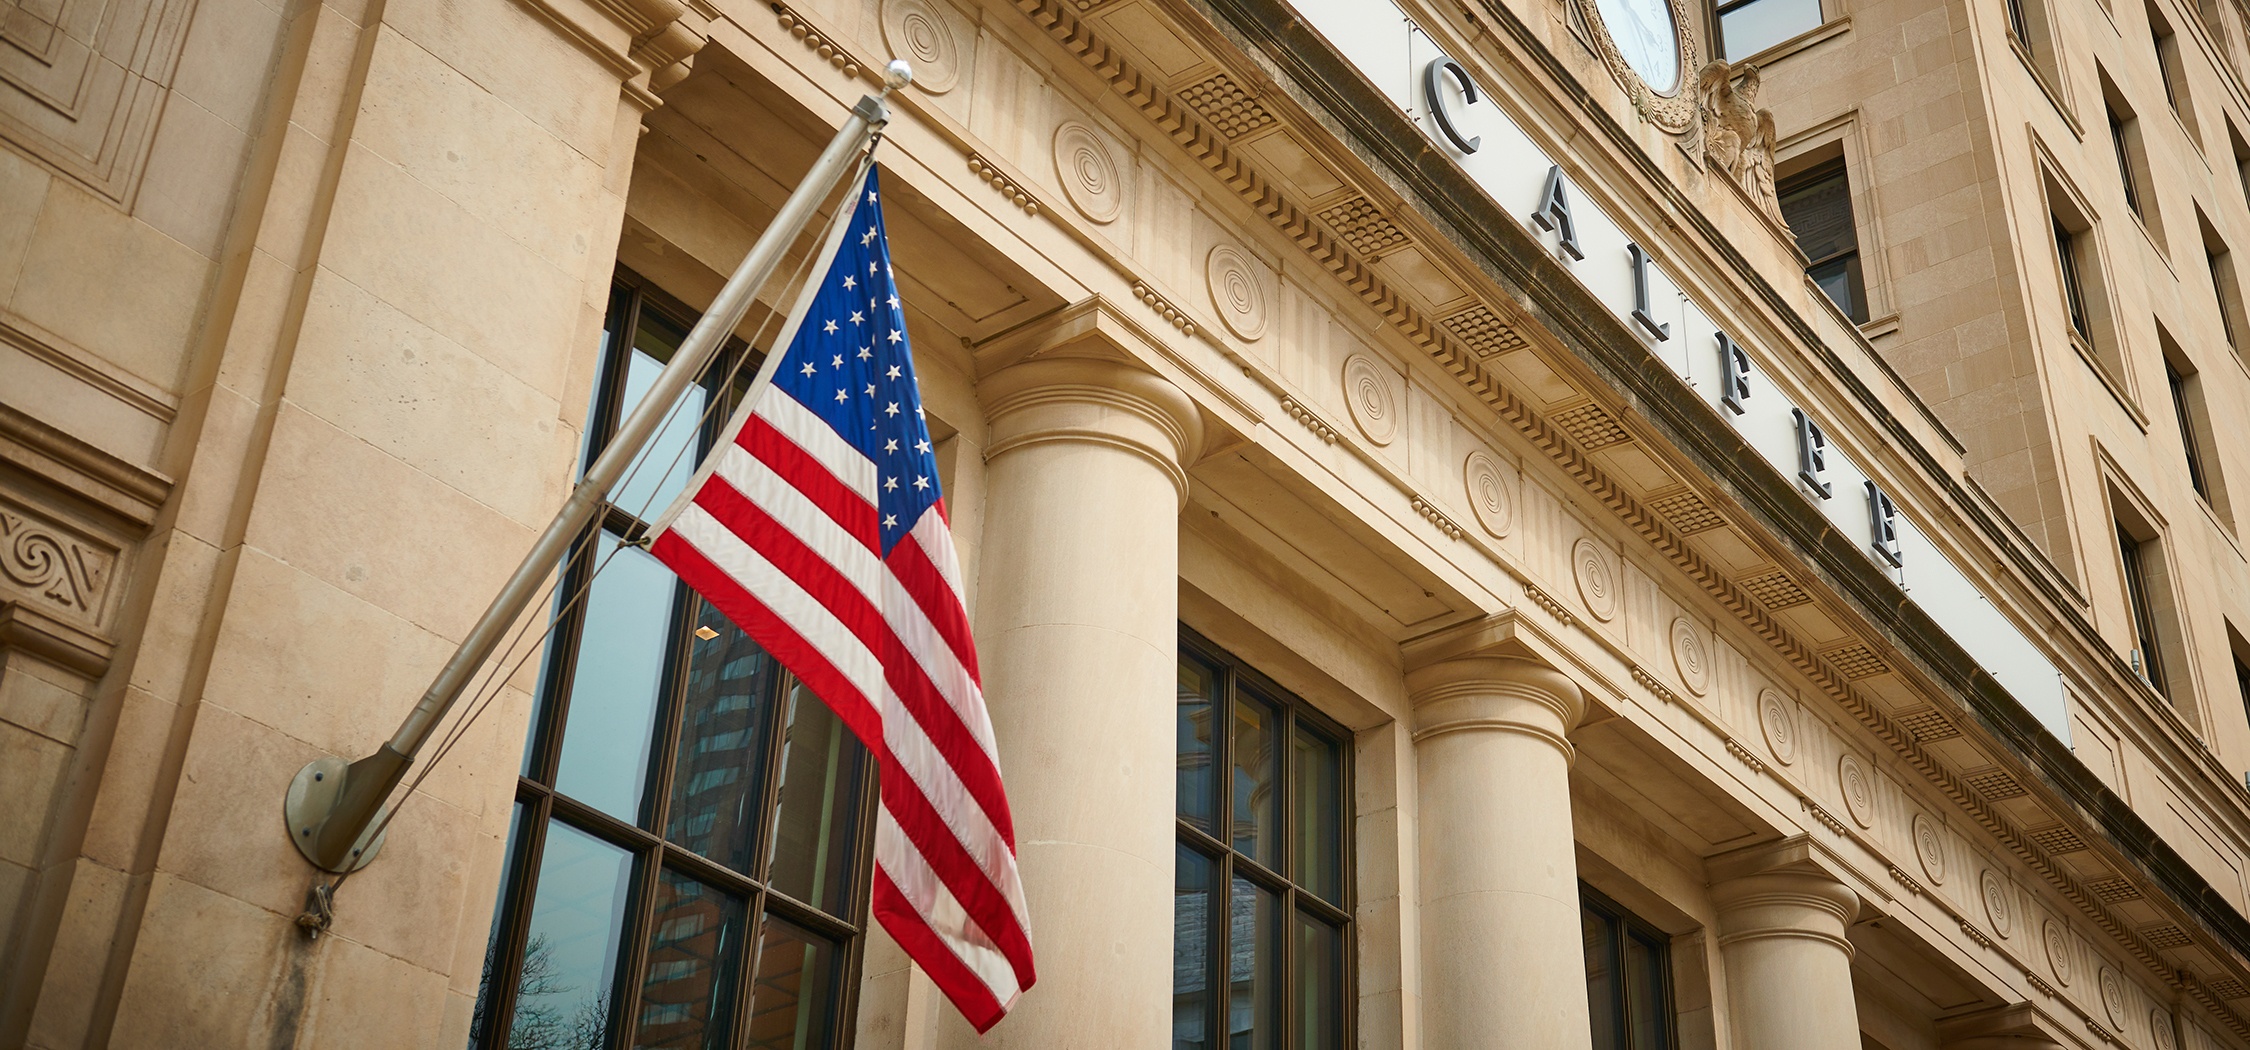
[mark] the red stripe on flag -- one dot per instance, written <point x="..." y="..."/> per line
<point x="773" y="541"/>
<point x="777" y="638"/>
<point x="910" y="682"/>
<point x="853" y="510"/>
<point x="930" y="590"/>
<point x="942" y="850"/>
<point x="928" y="950"/>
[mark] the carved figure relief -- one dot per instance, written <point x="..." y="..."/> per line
<point x="1738" y="137"/>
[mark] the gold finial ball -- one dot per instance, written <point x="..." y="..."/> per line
<point x="898" y="74"/>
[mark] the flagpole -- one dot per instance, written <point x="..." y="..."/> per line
<point x="330" y="805"/>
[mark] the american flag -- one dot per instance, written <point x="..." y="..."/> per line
<point x="818" y="528"/>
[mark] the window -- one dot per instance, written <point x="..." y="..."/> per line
<point x="2124" y="162"/>
<point x="2168" y="66"/>
<point x="2019" y="22"/>
<point x="1628" y="976"/>
<point x="2128" y="139"/>
<point x="1747" y="27"/>
<point x="686" y="862"/>
<point x="2074" y="290"/>
<point x="2197" y="440"/>
<point x="2148" y="656"/>
<point x="2187" y="418"/>
<point x="2226" y="291"/>
<point x="1817" y="203"/>
<point x="1261" y="913"/>
<point x="2241" y="159"/>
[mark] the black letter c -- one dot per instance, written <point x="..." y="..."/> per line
<point x="1436" y="99"/>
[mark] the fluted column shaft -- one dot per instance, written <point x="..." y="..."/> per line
<point x="1501" y="942"/>
<point x="1789" y="972"/>
<point x="1077" y="626"/>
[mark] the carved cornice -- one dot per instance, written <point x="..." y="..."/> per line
<point x="30" y="629"/>
<point x="30" y="449"/>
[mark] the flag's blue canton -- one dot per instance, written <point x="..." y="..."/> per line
<point x="851" y="365"/>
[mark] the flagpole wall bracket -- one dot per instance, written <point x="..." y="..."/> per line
<point x="321" y="809"/>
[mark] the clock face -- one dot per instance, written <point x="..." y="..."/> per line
<point x="1646" y="36"/>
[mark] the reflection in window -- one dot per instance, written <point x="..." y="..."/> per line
<point x="692" y="834"/>
<point x="1747" y="27"/>
<point x="1628" y="976"/>
<point x="1260" y="920"/>
<point x="1818" y="207"/>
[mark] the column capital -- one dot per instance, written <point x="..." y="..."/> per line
<point x="1505" y="694"/>
<point x="1780" y="890"/>
<point x="1093" y="400"/>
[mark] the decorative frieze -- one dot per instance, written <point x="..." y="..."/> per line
<point x="1738" y="750"/>
<point x="1554" y="608"/>
<point x="828" y="50"/>
<point x="1088" y="172"/>
<point x="1491" y="498"/>
<point x="1819" y="813"/>
<point x="1431" y="514"/>
<point x="1238" y="290"/>
<point x="45" y="560"/>
<point x="1311" y="421"/>
<point x="1009" y="188"/>
<point x="1171" y="313"/>
<point x="920" y="32"/>
<point x="1367" y="393"/>
<point x="1597" y="582"/>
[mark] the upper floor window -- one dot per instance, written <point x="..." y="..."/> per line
<point x="2168" y="68"/>
<point x="1817" y="203"/>
<point x="687" y="857"/>
<point x="1261" y="913"/>
<point x="2140" y="597"/>
<point x="1747" y="27"/>
<point x="2067" y="255"/>
<point x="1628" y="976"/>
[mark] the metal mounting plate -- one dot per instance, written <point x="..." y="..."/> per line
<point x="312" y="796"/>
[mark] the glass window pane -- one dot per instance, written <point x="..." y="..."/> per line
<point x="1320" y="985"/>
<point x="1191" y="950"/>
<point x="725" y="714"/>
<point x="1255" y="759"/>
<point x="817" y="813"/>
<point x="605" y="745"/>
<point x="570" y="948"/>
<point x="1818" y="206"/>
<point x="1761" y="24"/>
<point x="1319" y="817"/>
<point x="1840" y="279"/>
<point x="793" y="1004"/>
<point x="1647" y="1012"/>
<point x="1253" y="956"/>
<point x="1601" y="980"/>
<point x="480" y="1019"/>
<point x="1198" y="691"/>
<point x="694" y="954"/>
<point x="670" y="456"/>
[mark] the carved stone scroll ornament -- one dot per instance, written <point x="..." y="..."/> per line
<point x="1738" y="137"/>
<point x="41" y="561"/>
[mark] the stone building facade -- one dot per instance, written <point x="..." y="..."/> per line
<point x="1527" y="524"/>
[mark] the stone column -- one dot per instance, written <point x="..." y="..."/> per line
<point x="1789" y="966"/>
<point x="1077" y="629"/>
<point x="1501" y="941"/>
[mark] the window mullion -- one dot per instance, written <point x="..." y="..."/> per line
<point x="516" y="891"/>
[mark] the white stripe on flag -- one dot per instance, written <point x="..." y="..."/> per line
<point x="794" y="511"/>
<point x="778" y="592"/>
<point x="819" y="440"/>
<point x="927" y="895"/>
